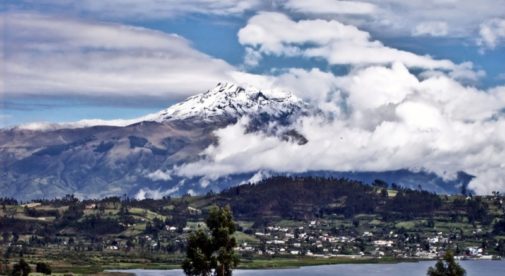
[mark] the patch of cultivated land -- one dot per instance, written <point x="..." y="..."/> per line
<point x="280" y="223"/>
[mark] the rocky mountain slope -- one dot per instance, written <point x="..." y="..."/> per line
<point x="100" y="161"/>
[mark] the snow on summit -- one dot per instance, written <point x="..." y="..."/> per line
<point x="229" y="101"/>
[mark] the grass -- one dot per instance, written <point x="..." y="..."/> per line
<point x="289" y="223"/>
<point x="147" y="214"/>
<point x="194" y="225"/>
<point x="308" y="261"/>
<point x="257" y="263"/>
<point x="409" y="224"/>
<point x="243" y="237"/>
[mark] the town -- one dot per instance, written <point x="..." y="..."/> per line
<point x="336" y="221"/>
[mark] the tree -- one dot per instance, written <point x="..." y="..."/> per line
<point x="43" y="268"/>
<point x="212" y="250"/>
<point x="198" y="254"/>
<point x="22" y="268"/>
<point x="446" y="267"/>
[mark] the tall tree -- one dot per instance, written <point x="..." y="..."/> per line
<point x="21" y="269"/>
<point x="447" y="267"/>
<point x="198" y="254"/>
<point x="212" y="252"/>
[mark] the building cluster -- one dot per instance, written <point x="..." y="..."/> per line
<point x="316" y="240"/>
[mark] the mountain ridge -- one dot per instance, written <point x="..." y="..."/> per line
<point x="225" y="102"/>
<point x="102" y="161"/>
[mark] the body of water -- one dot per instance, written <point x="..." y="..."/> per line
<point x="477" y="268"/>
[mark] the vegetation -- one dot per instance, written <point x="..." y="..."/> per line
<point x="206" y="252"/>
<point x="43" y="268"/>
<point x="281" y="221"/>
<point x="446" y="267"/>
<point x="21" y="269"/>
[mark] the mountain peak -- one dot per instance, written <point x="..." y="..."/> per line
<point x="229" y="101"/>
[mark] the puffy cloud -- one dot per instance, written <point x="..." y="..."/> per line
<point x="314" y="85"/>
<point x="431" y="28"/>
<point x="59" y="56"/>
<point x="388" y="119"/>
<point x="330" y="7"/>
<point x="273" y="33"/>
<point x="492" y="33"/>
<point x="373" y="87"/>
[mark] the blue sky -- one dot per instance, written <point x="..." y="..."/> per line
<point x="416" y="84"/>
<point x="208" y="34"/>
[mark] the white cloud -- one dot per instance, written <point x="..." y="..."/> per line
<point x="388" y="119"/>
<point x="257" y="177"/>
<point x="272" y="33"/>
<point x="252" y="58"/>
<point x="56" y="56"/>
<point x="392" y="17"/>
<point x="148" y="9"/>
<point x="461" y="16"/>
<point x="373" y="87"/>
<point x="42" y="126"/>
<point x="145" y="193"/>
<point x="492" y="33"/>
<point x="330" y="7"/>
<point x="431" y="28"/>
<point x="454" y="18"/>
<point x="159" y="175"/>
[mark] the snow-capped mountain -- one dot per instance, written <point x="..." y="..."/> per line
<point x="98" y="158"/>
<point x="225" y="103"/>
<point x="228" y="101"/>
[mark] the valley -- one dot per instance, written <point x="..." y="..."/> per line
<point x="281" y="222"/>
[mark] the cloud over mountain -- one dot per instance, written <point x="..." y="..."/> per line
<point x="387" y="119"/>
<point x="389" y="108"/>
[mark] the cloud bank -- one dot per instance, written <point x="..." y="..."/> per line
<point x="431" y="28"/>
<point x="395" y="17"/>
<point x="59" y="56"/>
<point x="146" y="9"/>
<point x="331" y="7"/>
<point x="386" y="118"/>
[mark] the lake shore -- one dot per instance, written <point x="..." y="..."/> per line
<point x="245" y="264"/>
<point x="473" y="267"/>
<point x="272" y="263"/>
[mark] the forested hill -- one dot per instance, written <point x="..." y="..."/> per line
<point x="273" y="199"/>
<point x="309" y="197"/>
